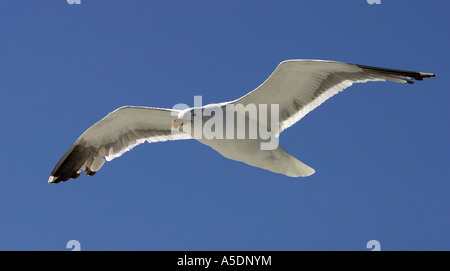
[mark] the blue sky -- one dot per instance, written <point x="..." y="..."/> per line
<point x="380" y="150"/>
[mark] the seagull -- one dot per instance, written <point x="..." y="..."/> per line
<point x="296" y="87"/>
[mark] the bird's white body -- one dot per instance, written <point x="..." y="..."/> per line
<point x="249" y="150"/>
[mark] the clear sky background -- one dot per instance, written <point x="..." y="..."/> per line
<point x="380" y="150"/>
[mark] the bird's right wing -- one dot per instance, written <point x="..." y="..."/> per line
<point x="299" y="86"/>
<point x="118" y="132"/>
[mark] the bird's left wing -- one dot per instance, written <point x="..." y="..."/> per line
<point x="118" y="132"/>
<point x="299" y="86"/>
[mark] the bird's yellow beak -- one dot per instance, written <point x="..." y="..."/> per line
<point x="177" y="123"/>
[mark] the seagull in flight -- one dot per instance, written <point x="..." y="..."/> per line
<point x="296" y="87"/>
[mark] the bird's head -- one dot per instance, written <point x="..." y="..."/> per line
<point x="184" y="117"/>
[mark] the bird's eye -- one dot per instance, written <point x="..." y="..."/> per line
<point x="193" y="114"/>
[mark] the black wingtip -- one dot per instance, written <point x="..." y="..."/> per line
<point x="70" y="164"/>
<point x="419" y="76"/>
<point x="427" y="75"/>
